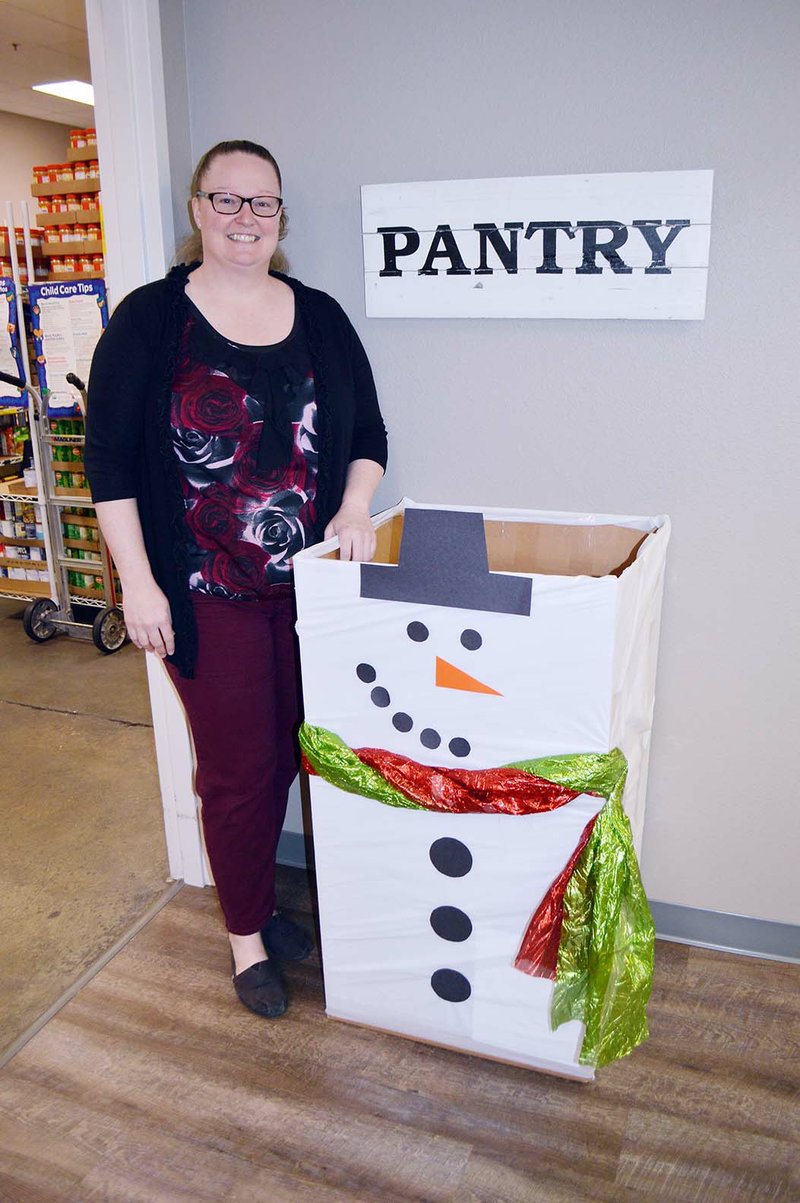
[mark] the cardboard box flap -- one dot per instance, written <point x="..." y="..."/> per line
<point x="536" y="547"/>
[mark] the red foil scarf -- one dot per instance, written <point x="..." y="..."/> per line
<point x="491" y="791"/>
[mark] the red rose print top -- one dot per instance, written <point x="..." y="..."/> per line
<point x="244" y="431"/>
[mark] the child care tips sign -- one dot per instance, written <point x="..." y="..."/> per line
<point x="68" y="319"/>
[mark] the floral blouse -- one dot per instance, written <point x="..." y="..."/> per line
<point x="244" y="431"/>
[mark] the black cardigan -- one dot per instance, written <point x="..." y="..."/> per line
<point x="128" y="439"/>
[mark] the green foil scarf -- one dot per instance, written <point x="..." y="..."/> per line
<point x="606" y="952"/>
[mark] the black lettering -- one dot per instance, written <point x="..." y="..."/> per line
<point x="549" y="234"/>
<point x="507" y="254"/>
<point x="659" y="246"/>
<point x="392" y="252"/>
<point x="591" y="247"/>
<point x="445" y="238"/>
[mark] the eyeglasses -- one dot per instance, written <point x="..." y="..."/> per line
<point x="229" y="203"/>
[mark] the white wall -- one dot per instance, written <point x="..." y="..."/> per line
<point x="27" y="142"/>
<point x="695" y="419"/>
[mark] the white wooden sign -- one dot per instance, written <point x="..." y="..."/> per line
<point x="632" y="245"/>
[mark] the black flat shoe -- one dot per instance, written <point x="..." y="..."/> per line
<point x="285" y="939"/>
<point x="261" y="989"/>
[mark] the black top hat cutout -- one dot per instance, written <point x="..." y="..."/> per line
<point x="443" y="562"/>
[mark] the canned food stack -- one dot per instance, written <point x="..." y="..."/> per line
<point x="68" y="460"/>
<point x="69" y="210"/>
<point x="22" y="555"/>
<point x="40" y="266"/>
<point x="80" y="528"/>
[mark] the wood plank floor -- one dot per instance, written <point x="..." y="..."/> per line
<point x="155" y="1085"/>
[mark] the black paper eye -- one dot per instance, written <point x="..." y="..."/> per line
<point x="417" y="631"/>
<point x="471" y="640"/>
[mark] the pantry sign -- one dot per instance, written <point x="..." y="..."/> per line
<point x="629" y="245"/>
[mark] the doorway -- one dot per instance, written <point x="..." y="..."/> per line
<point x="83" y="860"/>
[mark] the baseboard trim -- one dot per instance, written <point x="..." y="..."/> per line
<point x="727" y="933"/>
<point x="679" y="924"/>
<point x="292" y="849"/>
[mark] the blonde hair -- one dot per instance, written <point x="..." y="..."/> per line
<point x="191" y="249"/>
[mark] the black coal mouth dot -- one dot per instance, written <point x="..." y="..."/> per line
<point x="429" y="737"/>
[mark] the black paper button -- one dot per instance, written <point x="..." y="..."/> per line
<point x="451" y="924"/>
<point x="451" y="985"/>
<point x="450" y="857"/>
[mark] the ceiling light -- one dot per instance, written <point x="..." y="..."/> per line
<point x="69" y="89"/>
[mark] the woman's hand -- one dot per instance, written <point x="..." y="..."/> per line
<point x="356" y="534"/>
<point x="148" y="618"/>
<point x="146" y="609"/>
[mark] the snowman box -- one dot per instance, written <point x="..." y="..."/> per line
<point x="478" y="639"/>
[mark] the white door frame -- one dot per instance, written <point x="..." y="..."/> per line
<point x="130" y="114"/>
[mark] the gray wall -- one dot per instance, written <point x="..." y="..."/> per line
<point x="28" y="142"/>
<point x="694" y="419"/>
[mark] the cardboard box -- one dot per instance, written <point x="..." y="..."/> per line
<point x="475" y="638"/>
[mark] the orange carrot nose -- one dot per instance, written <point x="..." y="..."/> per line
<point x="450" y="677"/>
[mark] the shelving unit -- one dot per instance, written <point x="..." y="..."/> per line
<point x="66" y="540"/>
<point x="10" y="459"/>
<point x="62" y="532"/>
<point x="15" y="505"/>
<point x="82" y="154"/>
<point x="65" y="187"/>
<point x="86" y="246"/>
<point x="85" y="217"/>
<point x="84" y="187"/>
<point x="19" y="589"/>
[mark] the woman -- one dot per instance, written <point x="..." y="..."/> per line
<point x="233" y="420"/>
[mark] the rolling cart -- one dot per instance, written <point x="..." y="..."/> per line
<point x="49" y="616"/>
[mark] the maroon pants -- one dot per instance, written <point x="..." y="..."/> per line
<point x="243" y="709"/>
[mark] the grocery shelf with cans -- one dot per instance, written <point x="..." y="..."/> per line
<point x="69" y="213"/>
<point x="52" y="553"/>
<point x="7" y="251"/>
<point x="77" y="543"/>
<point x="24" y="571"/>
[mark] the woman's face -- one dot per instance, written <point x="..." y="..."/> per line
<point x="242" y="240"/>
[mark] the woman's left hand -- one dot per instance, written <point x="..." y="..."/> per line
<point x="356" y="534"/>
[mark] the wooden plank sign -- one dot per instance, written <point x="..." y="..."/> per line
<point x="631" y="245"/>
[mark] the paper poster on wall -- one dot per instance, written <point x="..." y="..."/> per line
<point x="68" y="319"/>
<point x="628" y="245"/>
<point x="10" y="357"/>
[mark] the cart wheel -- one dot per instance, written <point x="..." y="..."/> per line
<point x="109" y="631"/>
<point x="37" y="620"/>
